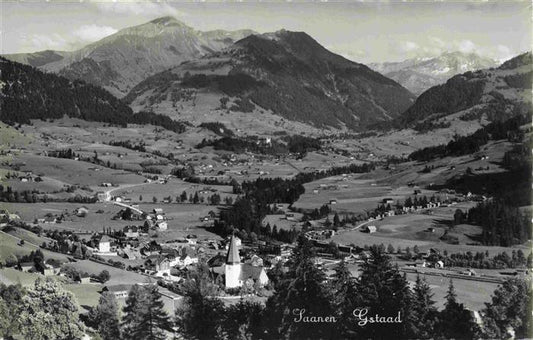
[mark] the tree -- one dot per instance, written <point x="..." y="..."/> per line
<point x="243" y="320"/>
<point x="336" y="220"/>
<point x="154" y="199"/>
<point x="302" y="291"/>
<point x="509" y="310"/>
<point x="104" y="317"/>
<point x="390" y="249"/>
<point x="237" y="189"/>
<point x="345" y="300"/>
<point x="144" y="315"/>
<point x="424" y="311"/>
<point x="384" y="291"/>
<point x="49" y="312"/>
<point x="455" y="321"/>
<point x="183" y="196"/>
<point x="10" y="308"/>
<point x="200" y="316"/>
<point x="140" y="198"/>
<point x="154" y="319"/>
<point x="104" y="276"/>
<point x="458" y="217"/>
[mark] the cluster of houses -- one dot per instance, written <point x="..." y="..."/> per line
<point x="27" y="176"/>
<point x="320" y="234"/>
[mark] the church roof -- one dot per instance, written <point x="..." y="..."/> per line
<point x="233" y="252"/>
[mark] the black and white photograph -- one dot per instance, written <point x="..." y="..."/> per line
<point x="266" y="169"/>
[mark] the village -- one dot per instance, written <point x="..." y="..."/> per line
<point x="239" y="265"/>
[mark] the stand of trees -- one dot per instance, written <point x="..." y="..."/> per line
<point x="503" y="225"/>
<point x="466" y="145"/>
<point x="32" y="94"/>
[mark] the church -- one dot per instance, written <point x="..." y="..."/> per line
<point x="236" y="273"/>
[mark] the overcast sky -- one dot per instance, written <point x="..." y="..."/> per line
<point x="361" y="31"/>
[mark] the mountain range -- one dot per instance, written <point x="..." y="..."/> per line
<point x="171" y="69"/>
<point x="492" y="94"/>
<point x="419" y="74"/>
<point x="121" y="60"/>
<point x="286" y="73"/>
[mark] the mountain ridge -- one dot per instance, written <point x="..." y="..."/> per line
<point x="419" y="74"/>
<point x="123" y="59"/>
<point x="494" y="93"/>
<point x="288" y="73"/>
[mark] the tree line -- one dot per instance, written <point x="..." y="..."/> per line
<point x="503" y="225"/>
<point x="508" y="129"/>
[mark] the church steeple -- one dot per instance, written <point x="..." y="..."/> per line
<point x="233" y="252"/>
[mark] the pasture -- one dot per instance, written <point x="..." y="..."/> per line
<point x="352" y="193"/>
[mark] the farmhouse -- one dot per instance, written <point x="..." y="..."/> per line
<point x="162" y="225"/>
<point x="370" y="229"/>
<point x="81" y="211"/>
<point x="84" y="278"/>
<point x="51" y="270"/>
<point x="131" y="231"/>
<point x="26" y="266"/>
<point x="119" y="291"/>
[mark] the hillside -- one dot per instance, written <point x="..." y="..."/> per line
<point x="490" y="94"/>
<point x="285" y="73"/>
<point x="123" y="59"/>
<point x="27" y="93"/>
<point x="419" y="74"/>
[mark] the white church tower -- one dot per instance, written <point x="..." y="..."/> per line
<point x="233" y="265"/>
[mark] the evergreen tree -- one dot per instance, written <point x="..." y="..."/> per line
<point x="104" y="317"/>
<point x="131" y="318"/>
<point x="345" y="300"/>
<point x="144" y="317"/>
<point x="201" y="315"/>
<point x="336" y="220"/>
<point x="183" y="196"/>
<point x="385" y="292"/>
<point x="243" y="321"/>
<point x="509" y="310"/>
<point x="154" y="319"/>
<point x="302" y="291"/>
<point x="455" y="321"/>
<point x="424" y="311"/>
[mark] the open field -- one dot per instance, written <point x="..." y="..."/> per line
<point x="9" y="246"/>
<point x="173" y="188"/>
<point x="73" y="172"/>
<point x="100" y="214"/>
<point x="473" y="294"/>
<point x="118" y="276"/>
<point x="13" y="276"/>
<point x="353" y="194"/>
<point x="86" y="294"/>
